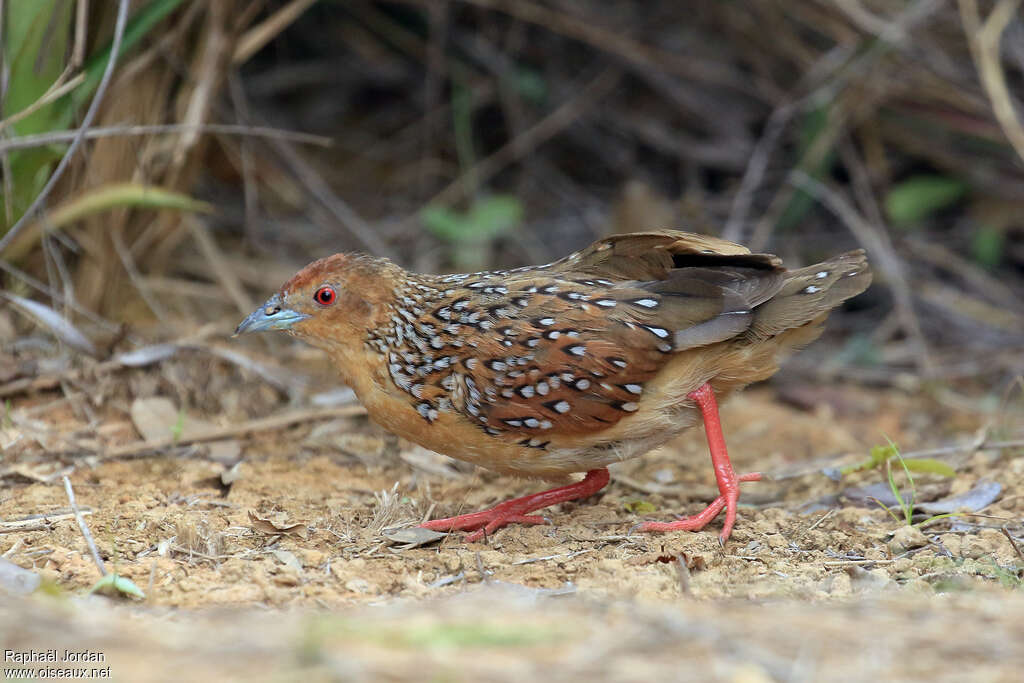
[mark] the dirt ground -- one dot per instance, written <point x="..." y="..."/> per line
<point x="272" y="554"/>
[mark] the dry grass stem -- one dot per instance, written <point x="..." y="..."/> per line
<point x="83" y="527"/>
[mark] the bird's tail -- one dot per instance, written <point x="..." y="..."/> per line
<point x="809" y="293"/>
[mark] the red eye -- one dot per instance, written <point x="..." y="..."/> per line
<point x="325" y="296"/>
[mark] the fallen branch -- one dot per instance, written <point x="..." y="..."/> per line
<point x="261" y="425"/>
<point x="36" y="523"/>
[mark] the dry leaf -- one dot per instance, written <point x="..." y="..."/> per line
<point x="288" y="559"/>
<point x="55" y="322"/>
<point x="413" y="537"/>
<point x="15" y="580"/>
<point x="265" y="526"/>
<point x="147" y="355"/>
<point x="156" y="418"/>
<point x="983" y="494"/>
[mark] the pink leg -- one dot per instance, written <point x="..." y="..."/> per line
<point x="728" y="482"/>
<point x="515" y="510"/>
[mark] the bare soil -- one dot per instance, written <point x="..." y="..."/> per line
<point x="289" y="568"/>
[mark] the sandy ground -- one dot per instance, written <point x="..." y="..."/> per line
<point x="290" y="570"/>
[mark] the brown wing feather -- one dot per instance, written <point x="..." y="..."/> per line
<point x="567" y="348"/>
<point x="652" y="255"/>
<point x="572" y="352"/>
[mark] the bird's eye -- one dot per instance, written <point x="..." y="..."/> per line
<point x="325" y="296"/>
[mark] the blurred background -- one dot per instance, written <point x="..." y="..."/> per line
<point x="233" y="141"/>
<point x="165" y="165"/>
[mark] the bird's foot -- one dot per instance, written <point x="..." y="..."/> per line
<point x="728" y="500"/>
<point x="728" y="481"/>
<point x="484" y="522"/>
<point x="516" y="510"/>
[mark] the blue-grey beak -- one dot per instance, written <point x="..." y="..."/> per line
<point x="270" y="316"/>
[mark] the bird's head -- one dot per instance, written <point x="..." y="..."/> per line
<point x="325" y="301"/>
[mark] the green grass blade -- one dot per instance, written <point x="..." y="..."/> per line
<point x="34" y="46"/>
<point x="97" y="200"/>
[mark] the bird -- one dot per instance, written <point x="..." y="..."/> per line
<point x="549" y="370"/>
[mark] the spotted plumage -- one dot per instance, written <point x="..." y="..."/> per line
<point x="552" y="349"/>
<point x="538" y="356"/>
<point x="568" y="366"/>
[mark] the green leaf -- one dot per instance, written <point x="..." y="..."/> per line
<point x="35" y="43"/>
<point x="445" y="223"/>
<point x="929" y="466"/>
<point x="530" y="85"/>
<point x="179" y="426"/>
<point x="36" y="36"/>
<point x="486" y="219"/>
<point x="469" y="234"/>
<point x="906" y="506"/>
<point x="987" y="246"/>
<point x="920" y="196"/>
<point x="112" y="584"/>
<point x="640" y="507"/>
<point x="495" y="215"/>
<point x="879" y="456"/>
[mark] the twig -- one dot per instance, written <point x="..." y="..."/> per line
<point x="55" y="93"/>
<point x="221" y="270"/>
<point x="883" y="27"/>
<point x="90" y="114"/>
<point x="217" y="433"/>
<point x="128" y="263"/>
<point x="849" y="563"/>
<point x="971" y="447"/>
<point x="42" y="518"/>
<point x="531" y="560"/>
<point x="245" y="165"/>
<point x="81" y="33"/>
<point x="755" y="171"/>
<point x="36" y="523"/>
<point x="821" y="519"/>
<point x="83" y="527"/>
<point x="35" y="526"/>
<point x="991" y="286"/>
<point x="984" y="41"/>
<point x="322" y="192"/>
<point x="54" y="137"/>
<point x="261" y="34"/>
<point x="211" y="58"/>
<point x="1006" y="532"/>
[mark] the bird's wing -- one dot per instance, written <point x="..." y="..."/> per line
<point x="571" y="355"/>
<point x="567" y="348"/>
